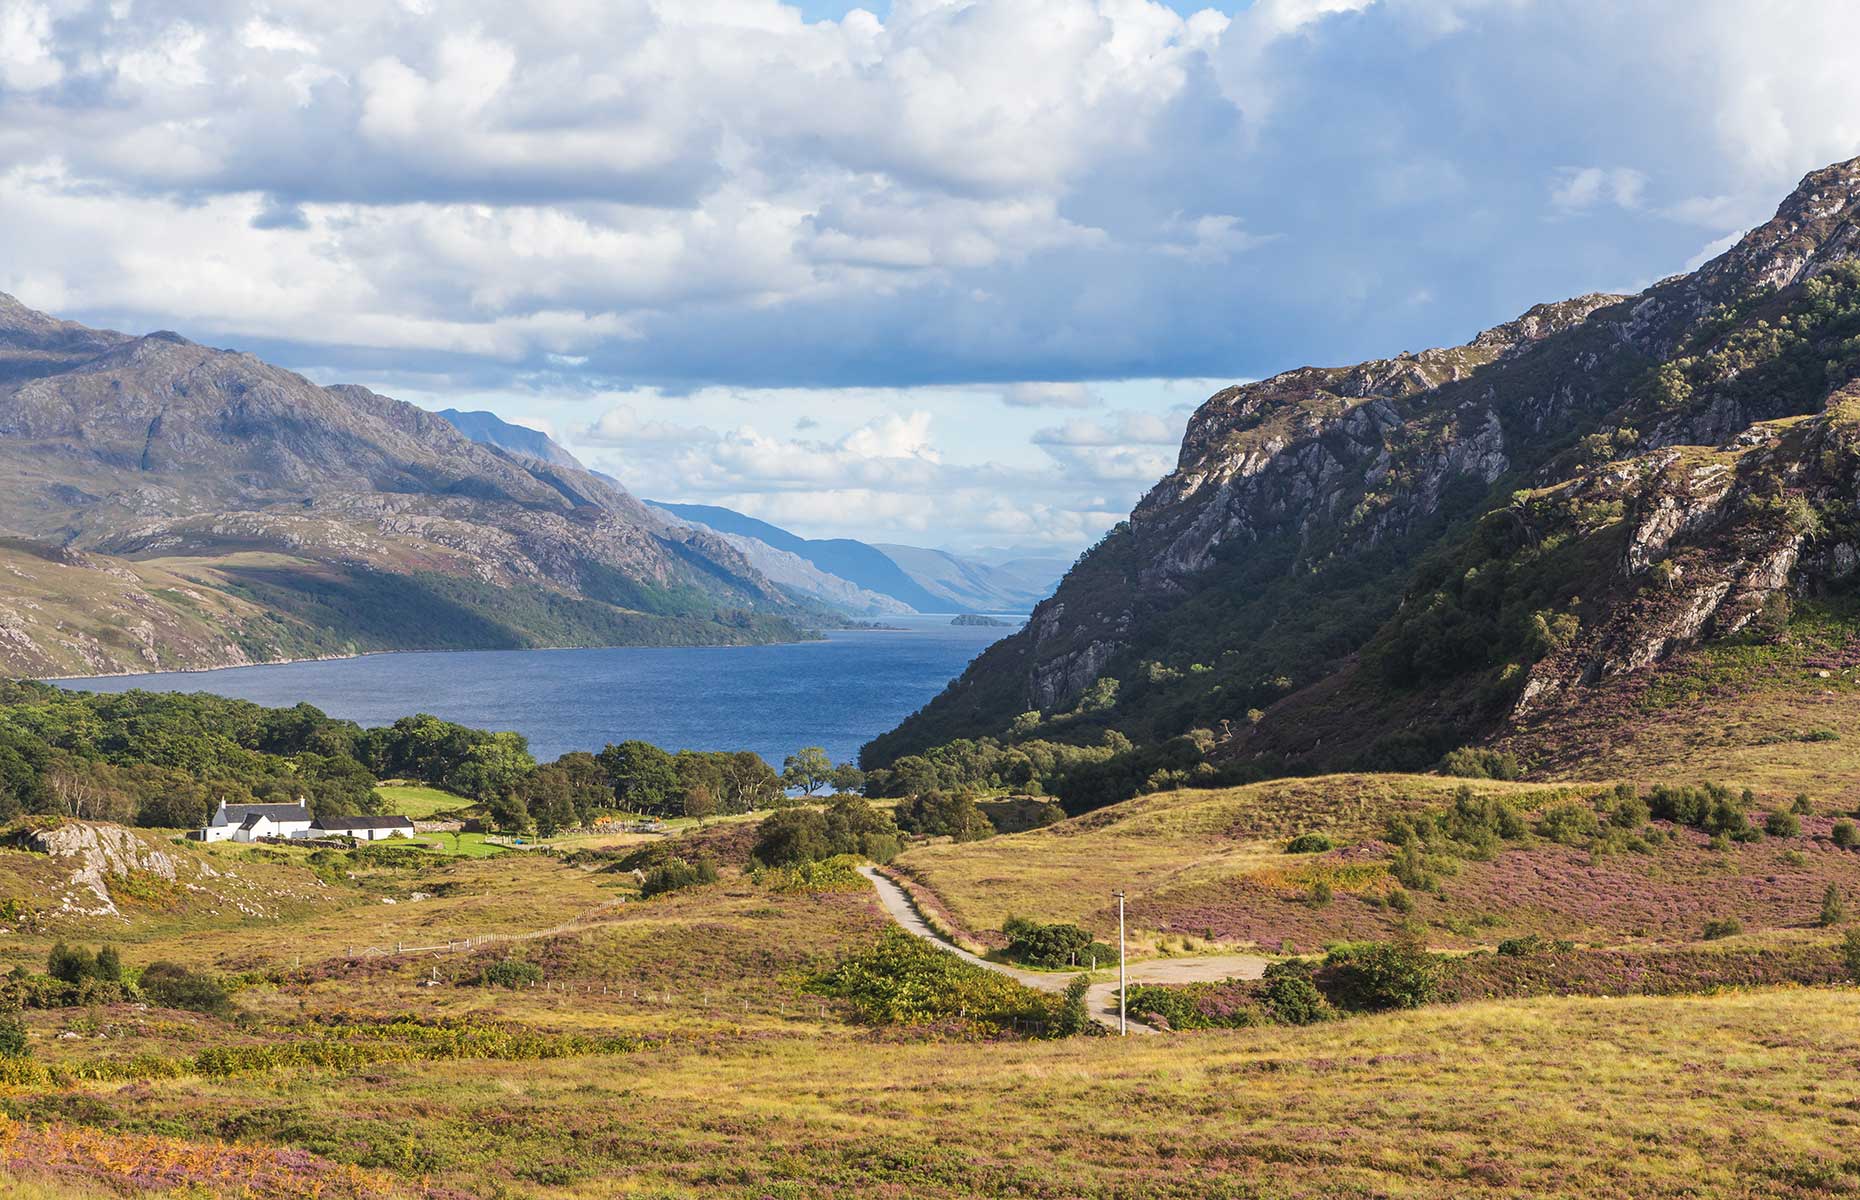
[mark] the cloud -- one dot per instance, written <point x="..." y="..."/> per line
<point x="26" y="60"/>
<point x="1048" y="395"/>
<point x="1581" y="188"/>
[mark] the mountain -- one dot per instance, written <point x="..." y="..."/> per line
<point x="809" y="584"/>
<point x="1614" y="521"/>
<point x="855" y="562"/>
<point x="923" y="580"/>
<point x="963" y="583"/>
<point x="209" y="509"/>
<point x="492" y="430"/>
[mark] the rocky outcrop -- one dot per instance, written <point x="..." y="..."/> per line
<point x="1691" y="438"/>
<point x="95" y="853"/>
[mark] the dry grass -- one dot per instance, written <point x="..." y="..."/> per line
<point x="1167" y="842"/>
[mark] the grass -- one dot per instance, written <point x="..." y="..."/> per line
<point x="1162" y="842"/>
<point x="1743" y="1094"/>
<point x="417" y="801"/>
<point x="735" y="1082"/>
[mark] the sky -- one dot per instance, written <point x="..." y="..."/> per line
<point x="943" y="272"/>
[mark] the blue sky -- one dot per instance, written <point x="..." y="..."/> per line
<point x="950" y="272"/>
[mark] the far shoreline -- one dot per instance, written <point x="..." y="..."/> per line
<point x="59" y="680"/>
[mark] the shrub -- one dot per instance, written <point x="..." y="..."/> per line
<point x="1629" y="810"/>
<point x="1782" y="824"/>
<point x="1850" y="953"/>
<point x="904" y="980"/>
<point x="1321" y="893"/>
<point x="1308" y="843"/>
<point x="837" y="874"/>
<point x="1472" y="762"/>
<point x="1723" y="928"/>
<point x="69" y="964"/>
<point x="1372" y="976"/>
<point x="1046" y="945"/>
<point x="172" y="985"/>
<point x="13" y="1042"/>
<point x="676" y="875"/>
<point x="1074" y="1012"/>
<point x="942" y="814"/>
<point x="1803" y="806"/>
<point x="1846" y="835"/>
<point x="1292" y="995"/>
<point x="1833" y="906"/>
<point x="1572" y="823"/>
<point x="509" y="973"/>
<point x="1400" y="900"/>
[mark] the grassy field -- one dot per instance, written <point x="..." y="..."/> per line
<point x="417" y="801"/>
<point x="675" y="1047"/>
<point x="1209" y="870"/>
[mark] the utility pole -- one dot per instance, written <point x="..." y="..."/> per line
<point x="1123" y="1024"/>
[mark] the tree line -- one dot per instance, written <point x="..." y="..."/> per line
<point x="166" y="760"/>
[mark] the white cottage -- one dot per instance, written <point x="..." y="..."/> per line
<point x="250" y="822"/>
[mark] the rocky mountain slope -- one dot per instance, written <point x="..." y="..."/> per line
<point x="316" y="520"/>
<point x="493" y="430"/>
<point x="1370" y="565"/>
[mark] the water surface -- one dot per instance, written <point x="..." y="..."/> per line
<point x="771" y="699"/>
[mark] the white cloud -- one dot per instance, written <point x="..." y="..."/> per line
<point x="26" y="60"/>
<point x="1581" y="188"/>
<point x="1048" y="395"/>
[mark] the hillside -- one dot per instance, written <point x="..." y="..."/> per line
<point x="278" y="519"/>
<point x="1525" y="539"/>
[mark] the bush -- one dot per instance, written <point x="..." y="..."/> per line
<point x="1572" y="823"/>
<point x="1046" y="945"/>
<point x="676" y="875"/>
<point x="1321" y="893"/>
<point x="1400" y="900"/>
<point x="942" y="814"/>
<point x="1723" y="928"/>
<point x="1629" y="811"/>
<point x="1781" y="824"/>
<point x="1850" y="953"/>
<point x="1803" y="806"/>
<point x="1475" y="763"/>
<point x="1373" y="976"/>
<point x="905" y="980"/>
<point x="13" y="1042"/>
<point x="1308" y="843"/>
<point x="1293" y="996"/>
<point x="1074" y="1011"/>
<point x="172" y="985"/>
<point x="1846" y="835"/>
<point x="1833" y="907"/>
<point x="509" y="973"/>
<point x="837" y="874"/>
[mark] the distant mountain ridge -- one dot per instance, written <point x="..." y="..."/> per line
<point x="492" y="430"/>
<point x="153" y="485"/>
<point x="925" y="580"/>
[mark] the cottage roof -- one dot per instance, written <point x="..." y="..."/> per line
<point x="237" y="813"/>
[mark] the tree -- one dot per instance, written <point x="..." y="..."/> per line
<point x="847" y="777"/>
<point x="942" y="814"/>
<point x="644" y="779"/>
<point x="495" y="766"/>
<point x="748" y="783"/>
<point x="1833" y="906"/>
<point x="808" y="769"/>
<point x="791" y="837"/>
<point x="700" y="804"/>
<point x="855" y="827"/>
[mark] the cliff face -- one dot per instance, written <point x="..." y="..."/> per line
<point x="271" y="489"/>
<point x="1447" y="544"/>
